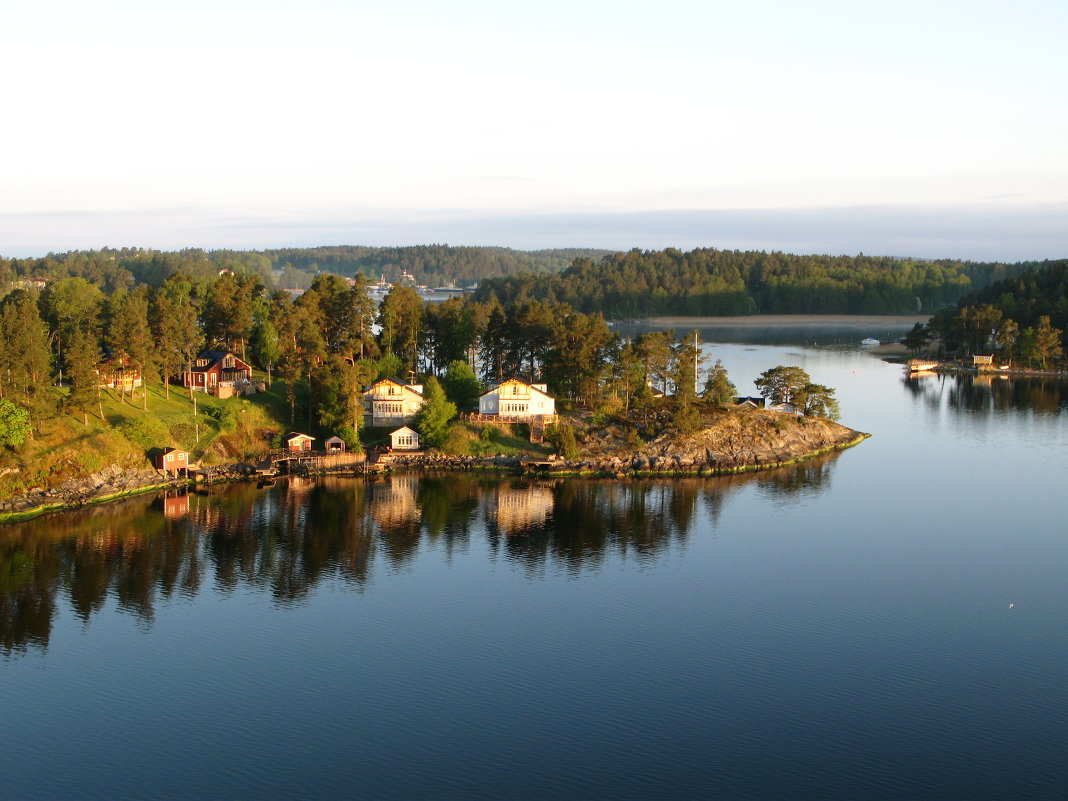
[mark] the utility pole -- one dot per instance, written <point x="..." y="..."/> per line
<point x="696" y="354"/>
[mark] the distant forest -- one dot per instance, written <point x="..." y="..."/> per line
<point x="1023" y="318"/>
<point x="729" y="282"/>
<point x="617" y="285"/>
<point x="289" y="268"/>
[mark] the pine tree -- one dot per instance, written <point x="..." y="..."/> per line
<point x="718" y="387"/>
<point x="80" y="357"/>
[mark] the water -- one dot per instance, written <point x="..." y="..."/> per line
<point x="887" y="622"/>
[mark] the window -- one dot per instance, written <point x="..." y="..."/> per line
<point x="170" y="457"/>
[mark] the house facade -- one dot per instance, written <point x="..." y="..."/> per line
<point x="173" y="460"/>
<point x="404" y="439"/>
<point x="391" y="403"/>
<point x="118" y="374"/>
<point x="517" y="400"/>
<point x="218" y="372"/>
<point x="297" y="442"/>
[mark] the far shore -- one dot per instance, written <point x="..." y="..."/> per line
<point x="858" y="322"/>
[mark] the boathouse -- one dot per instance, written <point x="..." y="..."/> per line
<point x="297" y="442"/>
<point x="173" y="460"/>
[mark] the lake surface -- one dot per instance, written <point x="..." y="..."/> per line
<point x="886" y="622"/>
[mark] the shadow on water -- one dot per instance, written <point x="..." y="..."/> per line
<point x="286" y="539"/>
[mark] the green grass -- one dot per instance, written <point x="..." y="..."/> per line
<point x="469" y="439"/>
<point x="67" y="444"/>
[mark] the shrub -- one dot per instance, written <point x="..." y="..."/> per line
<point x="458" y="440"/>
<point x="184" y="435"/>
<point x="146" y="430"/>
<point x="562" y="437"/>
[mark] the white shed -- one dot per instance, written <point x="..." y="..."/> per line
<point x="404" y="439"/>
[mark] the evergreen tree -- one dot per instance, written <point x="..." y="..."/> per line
<point x="780" y="383"/>
<point x="24" y="360"/>
<point x="400" y="316"/>
<point x="173" y="317"/>
<point x="685" y="363"/>
<point x="81" y="357"/>
<point x="815" y="400"/>
<point x="562" y="437"/>
<point x="265" y="344"/>
<point x="718" y="387"/>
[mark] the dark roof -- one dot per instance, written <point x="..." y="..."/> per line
<point x="214" y="357"/>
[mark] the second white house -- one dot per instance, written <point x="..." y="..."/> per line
<point x="517" y="400"/>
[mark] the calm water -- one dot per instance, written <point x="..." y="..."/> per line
<point x="888" y="622"/>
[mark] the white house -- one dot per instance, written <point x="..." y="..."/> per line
<point x="389" y="402"/>
<point x="404" y="439"/>
<point x="517" y="400"/>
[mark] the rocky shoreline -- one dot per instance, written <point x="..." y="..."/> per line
<point x="737" y="443"/>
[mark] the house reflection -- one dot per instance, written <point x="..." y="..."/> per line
<point x="286" y="539"/>
<point x="517" y="509"/>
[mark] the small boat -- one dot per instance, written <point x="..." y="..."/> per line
<point x="870" y="342"/>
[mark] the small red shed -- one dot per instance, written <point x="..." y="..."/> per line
<point x="174" y="460"/>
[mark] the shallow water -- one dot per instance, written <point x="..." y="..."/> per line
<point x="882" y="622"/>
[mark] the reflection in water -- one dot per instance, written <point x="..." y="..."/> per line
<point x="989" y="393"/>
<point x="284" y="540"/>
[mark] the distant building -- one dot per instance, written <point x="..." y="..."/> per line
<point x="752" y="401"/>
<point x="515" y="400"/>
<point x="391" y="403"/>
<point x="334" y="445"/>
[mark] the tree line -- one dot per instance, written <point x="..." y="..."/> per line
<point x="112" y="269"/>
<point x="710" y="282"/>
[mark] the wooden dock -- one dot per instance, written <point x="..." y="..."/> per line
<point x="302" y="462"/>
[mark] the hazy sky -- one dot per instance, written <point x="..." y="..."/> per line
<point x="928" y="128"/>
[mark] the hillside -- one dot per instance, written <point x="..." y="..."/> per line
<point x="68" y="446"/>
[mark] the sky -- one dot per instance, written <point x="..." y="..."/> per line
<point x="932" y="129"/>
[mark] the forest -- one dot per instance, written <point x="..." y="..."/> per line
<point x="289" y="268"/>
<point x="709" y="282"/>
<point x="1022" y="319"/>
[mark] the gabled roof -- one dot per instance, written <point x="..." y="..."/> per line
<point x="402" y="429"/>
<point x="292" y="435"/>
<point x="416" y="388"/>
<point x="174" y="450"/>
<point x="535" y="387"/>
<point x="214" y="357"/>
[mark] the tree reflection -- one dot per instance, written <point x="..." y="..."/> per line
<point x="990" y="393"/>
<point x="285" y="540"/>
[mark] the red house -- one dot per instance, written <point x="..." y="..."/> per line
<point x="173" y="459"/>
<point x="218" y="372"/>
